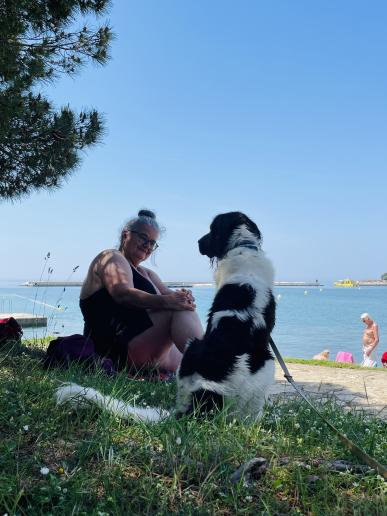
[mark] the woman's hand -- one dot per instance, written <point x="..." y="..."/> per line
<point x="179" y="300"/>
<point x="188" y="293"/>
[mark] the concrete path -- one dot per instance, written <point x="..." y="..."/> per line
<point x="355" y="389"/>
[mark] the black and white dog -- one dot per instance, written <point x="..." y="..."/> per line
<point x="231" y="366"/>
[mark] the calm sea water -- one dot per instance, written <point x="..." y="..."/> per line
<point x="308" y="321"/>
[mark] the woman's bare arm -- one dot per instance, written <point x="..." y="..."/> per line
<point x="116" y="276"/>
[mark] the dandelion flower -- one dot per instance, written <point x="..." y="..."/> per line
<point x="178" y="440"/>
<point x="44" y="470"/>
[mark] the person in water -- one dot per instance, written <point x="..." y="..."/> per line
<point x="370" y="341"/>
<point x="130" y="314"/>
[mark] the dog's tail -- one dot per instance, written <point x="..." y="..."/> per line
<point x="79" y="396"/>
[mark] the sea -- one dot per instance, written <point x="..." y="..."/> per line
<point x="308" y="320"/>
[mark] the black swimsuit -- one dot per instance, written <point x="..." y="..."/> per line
<point x="110" y="325"/>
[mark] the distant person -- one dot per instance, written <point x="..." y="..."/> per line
<point x="130" y="314"/>
<point x="384" y="359"/>
<point x="370" y="341"/>
<point x="324" y="355"/>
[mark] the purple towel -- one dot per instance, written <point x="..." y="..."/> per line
<point x="76" y="348"/>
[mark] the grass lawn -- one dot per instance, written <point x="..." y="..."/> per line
<point x="57" y="461"/>
<point x="332" y="363"/>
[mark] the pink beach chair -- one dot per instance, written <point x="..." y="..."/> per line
<point x="344" y="356"/>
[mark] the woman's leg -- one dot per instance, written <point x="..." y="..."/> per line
<point x="146" y="348"/>
<point x="170" y="361"/>
<point x="154" y="347"/>
<point x="185" y="325"/>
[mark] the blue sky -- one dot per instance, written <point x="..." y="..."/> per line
<point x="277" y="109"/>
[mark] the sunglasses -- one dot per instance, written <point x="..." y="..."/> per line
<point x="145" y="240"/>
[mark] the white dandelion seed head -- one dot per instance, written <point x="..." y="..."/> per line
<point x="44" y="470"/>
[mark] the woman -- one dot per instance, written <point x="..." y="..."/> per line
<point x="370" y="341"/>
<point x="129" y="313"/>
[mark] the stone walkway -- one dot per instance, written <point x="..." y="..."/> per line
<point x="355" y="389"/>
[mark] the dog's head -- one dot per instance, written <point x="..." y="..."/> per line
<point x="227" y="231"/>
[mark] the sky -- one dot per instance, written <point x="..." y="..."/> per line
<point x="277" y="109"/>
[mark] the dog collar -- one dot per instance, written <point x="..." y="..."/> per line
<point x="248" y="244"/>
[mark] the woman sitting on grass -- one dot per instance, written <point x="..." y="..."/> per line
<point x="129" y="313"/>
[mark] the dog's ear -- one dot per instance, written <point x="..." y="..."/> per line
<point x="251" y="226"/>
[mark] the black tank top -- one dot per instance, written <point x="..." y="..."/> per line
<point x="110" y="325"/>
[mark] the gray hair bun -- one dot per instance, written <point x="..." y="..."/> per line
<point x="143" y="217"/>
<point x="147" y="213"/>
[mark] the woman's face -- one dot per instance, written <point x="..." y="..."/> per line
<point x="139" y="243"/>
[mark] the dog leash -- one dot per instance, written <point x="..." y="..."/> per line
<point x="373" y="463"/>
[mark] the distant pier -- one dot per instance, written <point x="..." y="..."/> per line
<point x="26" y="320"/>
<point x="52" y="284"/>
<point x="372" y="283"/>
<point x="172" y="284"/>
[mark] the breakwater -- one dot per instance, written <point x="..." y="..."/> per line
<point x="171" y="284"/>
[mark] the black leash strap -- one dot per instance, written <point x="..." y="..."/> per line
<point x="382" y="470"/>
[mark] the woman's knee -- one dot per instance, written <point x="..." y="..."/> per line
<point x="188" y="322"/>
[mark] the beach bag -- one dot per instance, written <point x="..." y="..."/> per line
<point x="10" y="330"/>
<point x="344" y="356"/>
<point x="76" y="348"/>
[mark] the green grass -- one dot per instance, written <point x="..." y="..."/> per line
<point x="100" y="465"/>
<point x="331" y="363"/>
